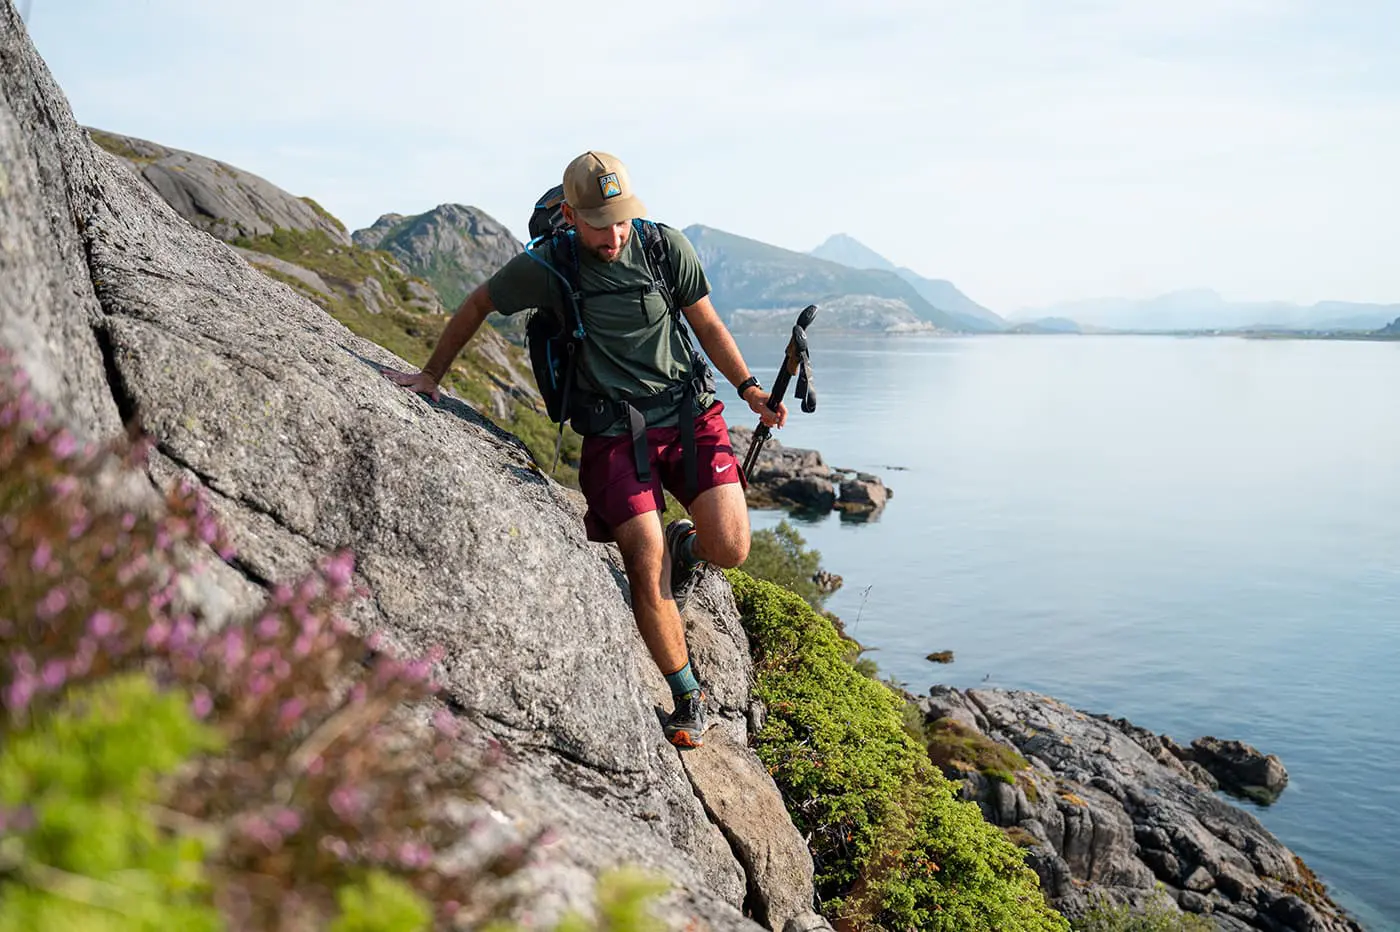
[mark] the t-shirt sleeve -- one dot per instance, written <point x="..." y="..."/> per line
<point x="691" y="283"/>
<point x="519" y="284"/>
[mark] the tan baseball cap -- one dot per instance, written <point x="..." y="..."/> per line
<point x="598" y="188"/>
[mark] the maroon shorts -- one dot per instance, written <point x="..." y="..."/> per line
<point x="607" y="471"/>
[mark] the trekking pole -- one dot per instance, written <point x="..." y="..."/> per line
<point x="797" y="361"/>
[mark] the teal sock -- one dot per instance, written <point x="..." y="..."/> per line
<point x="682" y="681"/>
<point x="688" y="551"/>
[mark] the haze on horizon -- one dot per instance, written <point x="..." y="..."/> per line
<point x="1030" y="156"/>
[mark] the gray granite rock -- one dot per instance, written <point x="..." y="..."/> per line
<point x="1117" y="812"/>
<point x="224" y="201"/>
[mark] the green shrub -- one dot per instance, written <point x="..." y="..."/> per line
<point x="78" y="786"/>
<point x="951" y="744"/>
<point x="1160" y="915"/>
<point x="892" y="847"/>
<point x="780" y="555"/>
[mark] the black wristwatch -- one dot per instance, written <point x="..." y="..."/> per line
<point x="750" y="382"/>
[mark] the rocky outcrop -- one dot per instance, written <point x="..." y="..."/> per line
<point x="1108" y="809"/>
<point x="455" y="248"/>
<point x="1241" y="769"/>
<point x="219" y="199"/>
<point x="117" y="307"/>
<point x="794" y="477"/>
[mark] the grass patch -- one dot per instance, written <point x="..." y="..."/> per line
<point x="951" y="742"/>
<point x="892" y="846"/>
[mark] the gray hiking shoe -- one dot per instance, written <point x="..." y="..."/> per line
<point x="684" y="573"/>
<point x="686" y="725"/>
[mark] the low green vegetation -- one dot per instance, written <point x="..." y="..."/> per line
<point x="780" y="556"/>
<point x="892" y="847"/>
<point x="1161" y="915"/>
<point x="953" y="745"/>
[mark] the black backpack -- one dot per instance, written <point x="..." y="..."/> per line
<point x="556" y="340"/>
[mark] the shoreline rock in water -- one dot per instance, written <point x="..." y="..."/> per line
<point x="1108" y="809"/>
<point x="792" y="476"/>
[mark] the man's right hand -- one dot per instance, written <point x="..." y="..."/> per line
<point x="419" y="382"/>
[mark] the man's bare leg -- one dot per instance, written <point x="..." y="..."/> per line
<point x="721" y="517"/>
<point x="643" y="547"/>
<point x="644" y="554"/>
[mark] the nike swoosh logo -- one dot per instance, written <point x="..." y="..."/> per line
<point x="723" y="468"/>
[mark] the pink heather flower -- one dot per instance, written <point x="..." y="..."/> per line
<point x="157" y="634"/>
<point x="446" y="723"/>
<point x="317" y="764"/>
<point x="42" y="558"/>
<point x="128" y="521"/>
<point x="64" y="486"/>
<point x="347" y="802"/>
<point x="375" y="641"/>
<point x="19" y="693"/>
<point x="281" y="668"/>
<point x="339" y="568"/>
<point x="415" y="854"/>
<point x="260" y="685"/>
<point x="79" y="526"/>
<point x="336" y="846"/>
<point x="263" y="658"/>
<point x="102" y="624"/>
<point x="286" y="821"/>
<point x="54" y="675"/>
<point x="302" y="646"/>
<point x="63" y="445"/>
<point x="201" y="704"/>
<point x="268" y="627"/>
<point x="291" y="710"/>
<point x="281" y="594"/>
<point x="234" y="648"/>
<point x="51" y="604"/>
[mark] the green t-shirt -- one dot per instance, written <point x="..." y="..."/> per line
<point x="632" y="346"/>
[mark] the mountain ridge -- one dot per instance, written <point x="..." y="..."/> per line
<point x="941" y="293"/>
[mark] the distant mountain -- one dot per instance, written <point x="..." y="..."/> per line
<point x="1204" y="309"/>
<point x="942" y="294"/>
<point x="1047" y="325"/>
<point x="1392" y="328"/>
<point x="752" y="279"/>
<point x="454" y="247"/>
<point x="850" y="251"/>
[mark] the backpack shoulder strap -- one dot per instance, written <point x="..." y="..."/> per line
<point x="659" y="260"/>
<point x="564" y="253"/>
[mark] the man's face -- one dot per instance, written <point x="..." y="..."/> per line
<point x="606" y="243"/>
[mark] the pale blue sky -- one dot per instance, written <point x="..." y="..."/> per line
<point x="1030" y="151"/>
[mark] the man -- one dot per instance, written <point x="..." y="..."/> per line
<point x="634" y="358"/>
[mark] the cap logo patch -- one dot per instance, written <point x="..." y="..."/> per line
<point x="610" y="186"/>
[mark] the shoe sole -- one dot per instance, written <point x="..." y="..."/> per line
<point x="682" y="739"/>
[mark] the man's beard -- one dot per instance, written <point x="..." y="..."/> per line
<point x="597" y="253"/>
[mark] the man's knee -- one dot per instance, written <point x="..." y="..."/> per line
<point x="727" y="550"/>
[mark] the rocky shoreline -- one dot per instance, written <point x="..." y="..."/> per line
<point x="1110" y="811"/>
<point x="793" y="477"/>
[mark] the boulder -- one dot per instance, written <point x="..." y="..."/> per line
<point x="1241" y="769"/>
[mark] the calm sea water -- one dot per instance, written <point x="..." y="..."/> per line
<point x="1202" y="535"/>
